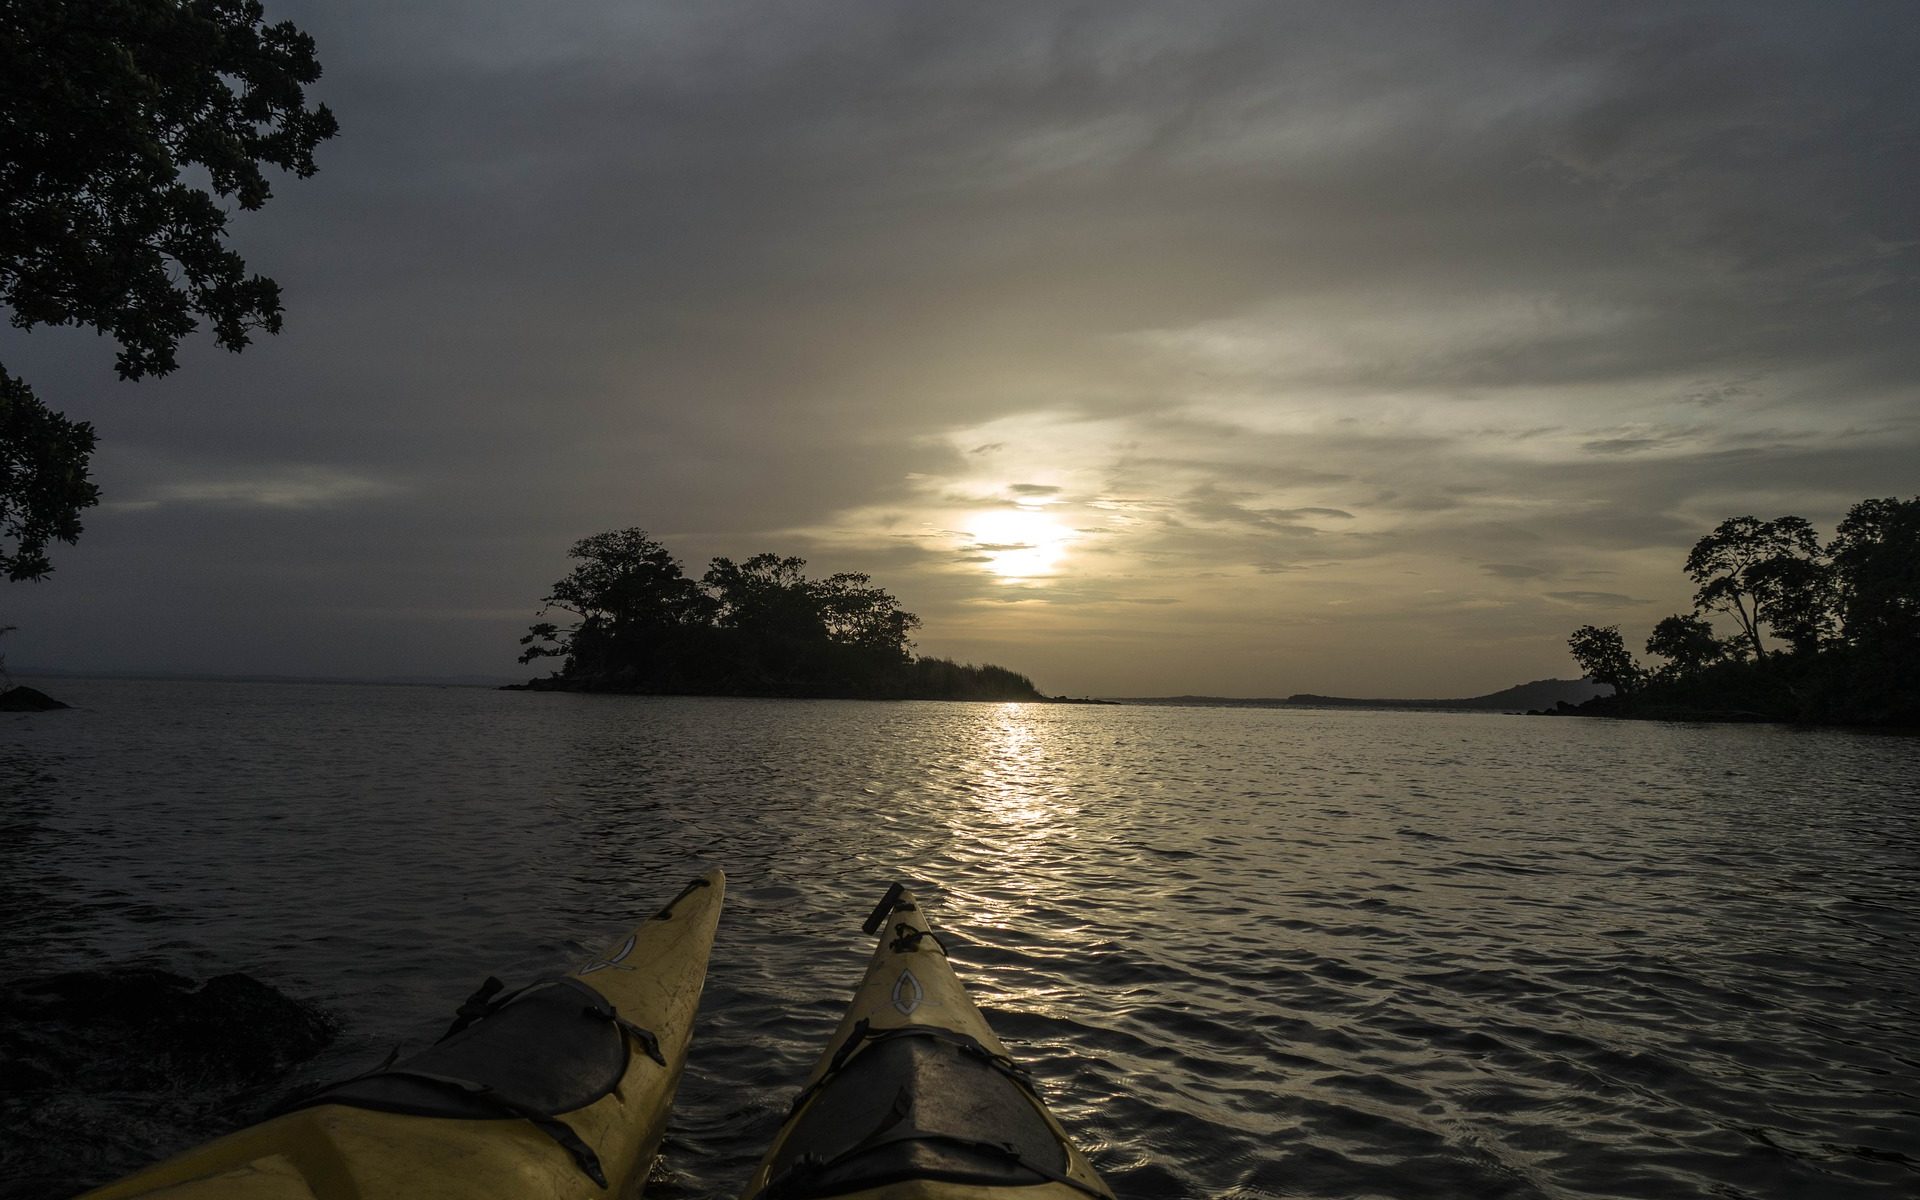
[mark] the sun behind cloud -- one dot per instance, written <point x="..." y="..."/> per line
<point x="1019" y="543"/>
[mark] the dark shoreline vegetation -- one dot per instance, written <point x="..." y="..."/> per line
<point x="1844" y="617"/>
<point x="1521" y="697"/>
<point x="755" y="628"/>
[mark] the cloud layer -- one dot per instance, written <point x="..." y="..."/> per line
<point x="1241" y="348"/>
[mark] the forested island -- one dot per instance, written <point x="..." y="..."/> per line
<point x="760" y="627"/>
<point x="1823" y="633"/>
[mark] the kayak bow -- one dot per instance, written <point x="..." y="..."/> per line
<point x="915" y="1098"/>
<point x="560" y="1089"/>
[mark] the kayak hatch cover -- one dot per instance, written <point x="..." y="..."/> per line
<point x="915" y="1098"/>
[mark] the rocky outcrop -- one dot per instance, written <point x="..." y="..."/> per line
<point x="138" y="1029"/>
<point x="26" y="699"/>
<point x="102" y="1072"/>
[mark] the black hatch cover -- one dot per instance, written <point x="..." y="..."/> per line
<point x="933" y="1107"/>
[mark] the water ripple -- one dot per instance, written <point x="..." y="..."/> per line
<point x="1251" y="953"/>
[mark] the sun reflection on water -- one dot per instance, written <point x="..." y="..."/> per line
<point x="1013" y="769"/>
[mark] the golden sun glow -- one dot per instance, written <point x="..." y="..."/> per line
<point x="1019" y="543"/>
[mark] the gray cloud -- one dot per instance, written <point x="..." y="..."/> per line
<point x="1514" y="570"/>
<point x="1595" y="599"/>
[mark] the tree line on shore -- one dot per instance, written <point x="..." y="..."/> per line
<point x="760" y="627"/>
<point x="1822" y="632"/>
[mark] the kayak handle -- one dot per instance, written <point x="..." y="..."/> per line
<point x="884" y="909"/>
<point x="666" y="914"/>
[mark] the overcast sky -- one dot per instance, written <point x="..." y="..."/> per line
<point x="1242" y="349"/>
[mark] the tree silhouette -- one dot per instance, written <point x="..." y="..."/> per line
<point x="768" y="594"/>
<point x="123" y="127"/>
<point x="1798" y="594"/>
<point x="1742" y="571"/>
<point x="1876" y="560"/>
<point x="1850" y="612"/>
<point x="856" y="613"/>
<point x="1603" y="657"/>
<point x="755" y="627"/>
<point x="629" y="593"/>
<point x="1686" y="642"/>
<point x="43" y="479"/>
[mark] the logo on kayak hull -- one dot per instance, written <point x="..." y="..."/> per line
<point x="907" y="993"/>
<point x="612" y="960"/>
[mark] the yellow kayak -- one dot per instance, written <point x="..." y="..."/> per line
<point x="560" y="1089"/>
<point x="915" y="1099"/>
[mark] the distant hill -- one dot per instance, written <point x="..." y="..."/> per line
<point x="1541" y="693"/>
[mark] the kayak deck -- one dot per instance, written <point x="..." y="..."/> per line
<point x="561" y="1090"/>
<point x="915" y="1098"/>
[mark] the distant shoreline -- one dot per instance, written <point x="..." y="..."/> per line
<point x="1039" y="699"/>
<point x="472" y="681"/>
<point x="1303" y="701"/>
<point x="924" y="679"/>
<point x="1541" y="694"/>
<point x="1638" y="708"/>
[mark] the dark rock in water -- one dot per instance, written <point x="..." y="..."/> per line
<point x="104" y="1071"/>
<point x="141" y="1028"/>
<point x="26" y="699"/>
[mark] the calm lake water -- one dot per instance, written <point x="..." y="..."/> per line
<point x="1250" y="953"/>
